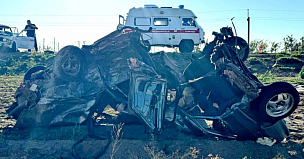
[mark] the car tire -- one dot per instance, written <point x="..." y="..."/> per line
<point x="276" y="102"/>
<point x="14" y="47"/>
<point x="186" y="46"/>
<point x="70" y="64"/>
<point x="29" y="73"/>
<point x="241" y="46"/>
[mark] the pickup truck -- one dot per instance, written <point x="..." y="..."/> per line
<point x="11" y="40"/>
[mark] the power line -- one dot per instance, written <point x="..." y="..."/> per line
<point x="277" y="10"/>
<point x="80" y="15"/>
<point x="278" y="19"/>
<point x="222" y="11"/>
<point x="254" y="18"/>
<point x="266" y="10"/>
<point x="50" y="15"/>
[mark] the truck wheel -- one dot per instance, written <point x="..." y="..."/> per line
<point x="70" y="64"/>
<point x="14" y="47"/>
<point x="276" y="102"/>
<point x="186" y="46"/>
<point x="241" y="46"/>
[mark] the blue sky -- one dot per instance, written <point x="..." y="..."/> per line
<point x="70" y="21"/>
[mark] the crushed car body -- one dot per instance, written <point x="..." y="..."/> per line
<point x="215" y="94"/>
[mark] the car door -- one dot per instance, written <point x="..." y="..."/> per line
<point x="24" y="42"/>
<point x="189" y="29"/>
<point x="160" y="31"/>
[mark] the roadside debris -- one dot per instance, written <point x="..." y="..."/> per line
<point x="266" y="141"/>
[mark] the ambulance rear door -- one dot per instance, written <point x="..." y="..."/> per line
<point x="160" y="31"/>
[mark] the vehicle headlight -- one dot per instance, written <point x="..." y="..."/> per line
<point x="8" y="41"/>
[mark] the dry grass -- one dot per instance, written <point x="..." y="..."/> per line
<point x="8" y="86"/>
<point x="155" y="153"/>
<point x="116" y="136"/>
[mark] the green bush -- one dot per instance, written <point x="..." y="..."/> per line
<point x="301" y="73"/>
<point x="253" y="60"/>
<point x="283" y="52"/>
<point x="289" y="60"/>
<point x="266" y="77"/>
<point x="19" y="65"/>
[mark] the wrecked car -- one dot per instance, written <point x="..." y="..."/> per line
<point x="215" y="94"/>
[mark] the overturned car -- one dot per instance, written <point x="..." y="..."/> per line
<point x="215" y="94"/>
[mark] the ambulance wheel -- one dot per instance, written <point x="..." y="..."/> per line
<point x="276" y="102"/>
<point x="70" y="64"/>
<point x="186" y="46"/>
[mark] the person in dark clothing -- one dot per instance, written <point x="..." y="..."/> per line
<point x="30" y="32"/>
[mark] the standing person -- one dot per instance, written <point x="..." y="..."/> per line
<point x="30" y="32"/>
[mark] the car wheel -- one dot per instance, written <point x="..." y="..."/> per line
<point x="276" y="102"/>
<point x="14" y="47"/>
<point x="241" y="46"/>
<point x="186" y="46"/>
<point x="70" y="64"/>
<point x="29" y="73"/>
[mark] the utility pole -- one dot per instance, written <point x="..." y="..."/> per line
<point x="43" y="43"/>
<point x="248" y="19"/>
<point x="54" y="44"/>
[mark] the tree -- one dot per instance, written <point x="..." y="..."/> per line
<point x="302" y="44"/>
<point x="263" y="45"/>
<point x="258" y="45"/>
<point x="274" y="47"/>
<point x="253" y="45"/>
<point x="290" y="43"/>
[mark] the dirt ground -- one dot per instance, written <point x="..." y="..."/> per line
<point x="133" y="142"/>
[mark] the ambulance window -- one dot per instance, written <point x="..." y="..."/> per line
<point x="142" y="21"/>
<point x="160" y="21"/>
<point x="188" y="22"/>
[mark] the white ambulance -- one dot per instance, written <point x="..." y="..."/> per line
<point x="171" y="27"/>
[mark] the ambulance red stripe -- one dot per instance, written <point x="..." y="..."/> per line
<point x="169" y="31"/>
